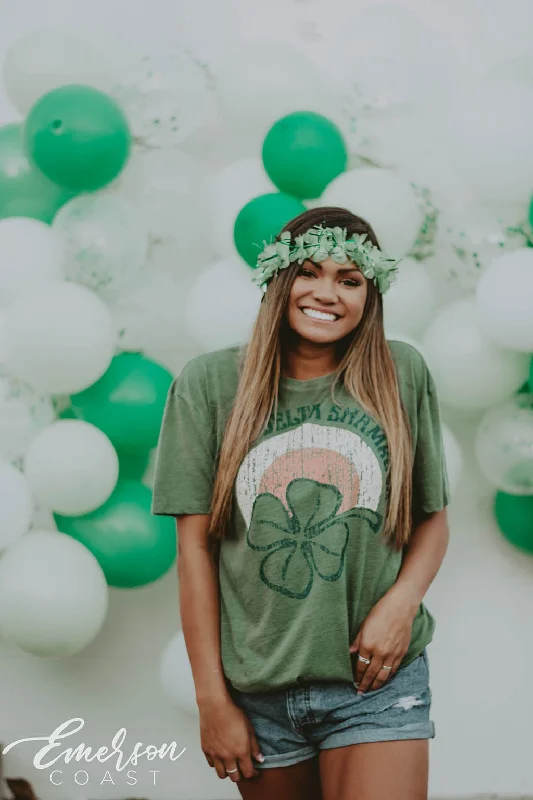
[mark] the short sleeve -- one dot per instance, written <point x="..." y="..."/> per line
<point x="185" y="458"/>
<point x="430" y="475"/>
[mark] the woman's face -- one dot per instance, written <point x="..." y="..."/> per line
<point x="336" y="290"/>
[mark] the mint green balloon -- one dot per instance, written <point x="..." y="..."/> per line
<point x="260" y="220"/>
<point x="127" y="402"/>
<point x="24" y="190"/>
<point x="78" y="137"/>
<point x="303" y="152"/>
<point x="514" y="514"/>
<point x="133" y="546"/>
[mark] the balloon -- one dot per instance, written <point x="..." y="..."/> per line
<point x="78" y="136"/>
<point x="31" y="255"/>
<point x="226" y="192"/>
<point x="133" y="546"/>
<point x="493" y="150"/>
<point x="176" y="678"/>
<point x="53" y="595"/>
<point x="131" y="464"/>
<point x="471" y="372"/>
<point x="385" y="200"/>
<point x="165" y="96"/>
<point x="46" y="59"/>
<point x="303" y="152"/>
<point x="23" y="413"/>
<point x="410" y="303"/>
<point x="24" y="190"/>
<point x="106" y="242"/>
<point x="163" y="186"/>
<point x="260" y="220"/>
<point x="454" y="458"/>
<point x="506" y="315"/>
<point x="72" y="467"/>
<point x="504" y="445"/>
<point x="16" y="505"/>
<point x="222" y="321"/>
<point x="61" y="340"/>
<point x="128" y="401"/>
<point x="279" y="79"/>
<point x="514" y="514"/>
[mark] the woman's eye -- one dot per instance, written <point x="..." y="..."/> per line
<point x="352" y="282"/>
<point x="304" y="271"/>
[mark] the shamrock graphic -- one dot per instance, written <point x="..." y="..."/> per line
<point x="312" y="539"/>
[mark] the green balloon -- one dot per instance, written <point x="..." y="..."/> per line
<point x="131" y="463"/>
<point x="303" y="152"/>
<point x="24" y="190"/>
<point x="127" y="402"/>
<point x="133" y="546"/>
<point x="531" y="211"/>
<point x="78" y="136"/>
<point x="531" y="375"/>
<point x="514" y="514"/>
<point x="260" y="220"/>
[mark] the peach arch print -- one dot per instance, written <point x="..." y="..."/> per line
<point x="325" y="454"/>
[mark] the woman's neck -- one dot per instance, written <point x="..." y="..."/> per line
<point x="308" y="361"/>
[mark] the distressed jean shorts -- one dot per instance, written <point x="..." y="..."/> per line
<point x="295" y="723"/>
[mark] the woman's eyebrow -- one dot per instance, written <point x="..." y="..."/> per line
<point x="353" y="268"/>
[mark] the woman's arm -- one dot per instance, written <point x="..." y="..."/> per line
<point x="422" y="559"/>
<point x="200" y="608"/>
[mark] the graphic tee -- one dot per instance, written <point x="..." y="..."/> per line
<point x="303" y="565"/>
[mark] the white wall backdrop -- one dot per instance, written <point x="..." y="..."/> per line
<point x="482" y="598"/>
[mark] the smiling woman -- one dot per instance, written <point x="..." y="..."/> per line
<point x="299" y="466"/>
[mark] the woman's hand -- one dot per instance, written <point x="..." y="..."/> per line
<point x="228" y="739"/>
<point x="384" y="638"/>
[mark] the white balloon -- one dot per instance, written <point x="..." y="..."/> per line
<point x="222" y="305"/>
<point x="32" y="254"/>
<point x="385" y="200"/>
<point x="471" y="371"/>
<point x="504" y="300"/>
<point x="176" y="676"/>
<point x="227" y="192"/>
<point x="410" y="302"/>
<point x="164" y="187"/>
<point x="53" y="595"/>
<point x="46" y="59"/>
<point x="454" y="458"/>
<point x="489" y="128"/>
<point x="60" y="341"/>
<point x="23" y="413"/>
<point x="16" y="504"/>
<point x="258" y="82"/>
<point x="504" y="445"/>
<point x="72" y="467"/>
<point x="106" y="241"/>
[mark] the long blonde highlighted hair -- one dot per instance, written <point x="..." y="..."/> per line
<point x="366" y="367"/>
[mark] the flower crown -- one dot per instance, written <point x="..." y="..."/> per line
<point x="320" y="243"/>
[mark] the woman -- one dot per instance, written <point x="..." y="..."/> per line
<point x="307" y="475"/>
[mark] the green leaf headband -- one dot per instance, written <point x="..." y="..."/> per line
<point x="320" y="243"/>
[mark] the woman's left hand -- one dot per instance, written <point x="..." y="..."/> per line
<point x="384" y="638"/>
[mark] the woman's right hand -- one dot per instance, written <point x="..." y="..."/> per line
<point x="228" y="739"/>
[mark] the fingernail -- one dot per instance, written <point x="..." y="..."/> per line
<point x="260" y="757"/>
<point x="360" y="692"/>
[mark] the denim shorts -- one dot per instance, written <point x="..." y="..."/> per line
<point x="295" y="723"/>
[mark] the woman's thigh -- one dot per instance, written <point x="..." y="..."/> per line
<point x="397" y="770"/>
<point x="296" y="782"/>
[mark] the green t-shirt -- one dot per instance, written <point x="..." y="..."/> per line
<point x="302" y="567"/>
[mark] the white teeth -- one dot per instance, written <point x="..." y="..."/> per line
<point x="310" y="312"/>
